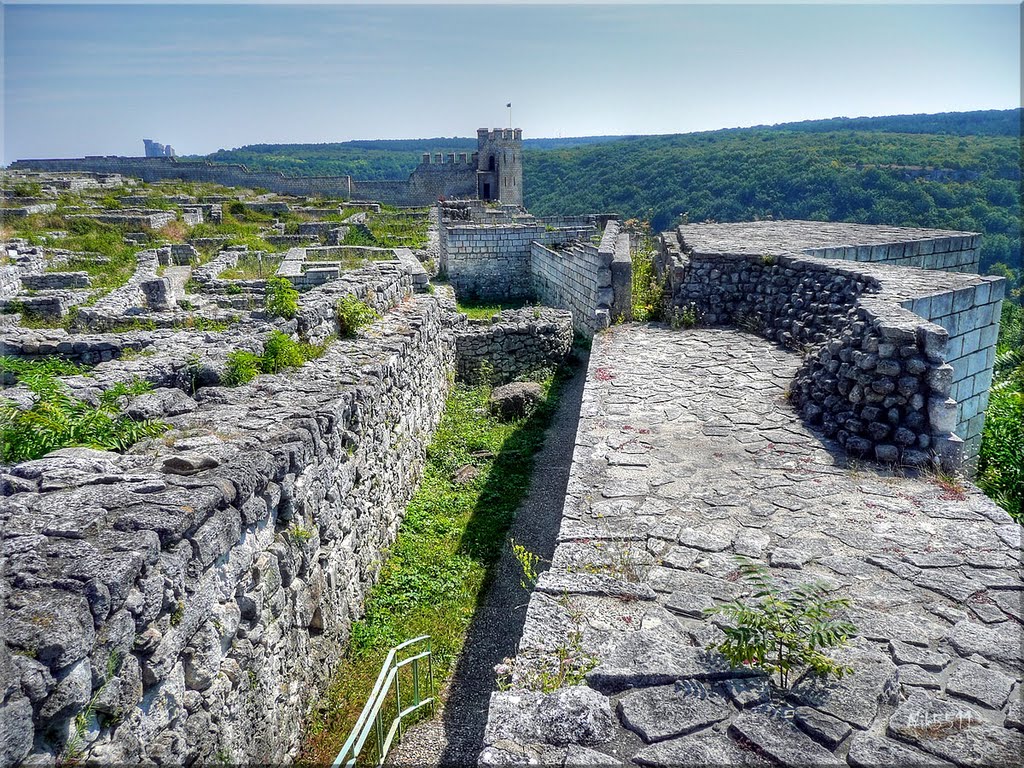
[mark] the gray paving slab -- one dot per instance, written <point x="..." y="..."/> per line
<point x="719" y="464"/>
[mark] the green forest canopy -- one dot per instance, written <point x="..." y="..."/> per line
<point x="959" y="170"/>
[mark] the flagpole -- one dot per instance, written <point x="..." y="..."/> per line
<point x="509" y="105"/>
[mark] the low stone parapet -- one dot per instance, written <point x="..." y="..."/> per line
<point x="876" y="373"/>
<point x="514" y="344"/>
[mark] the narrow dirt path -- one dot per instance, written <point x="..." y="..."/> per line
<point x="456" y="736"/>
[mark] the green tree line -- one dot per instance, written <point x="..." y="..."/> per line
<point x="953" y="171"/>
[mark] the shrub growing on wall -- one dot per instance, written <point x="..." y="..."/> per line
<point x="57" y="420"/>
<point x="282" y="298"/>
<point x="352" y="315"/>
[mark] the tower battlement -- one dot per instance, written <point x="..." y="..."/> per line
<point x="500" y="165"/>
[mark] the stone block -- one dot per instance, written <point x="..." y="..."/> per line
<point x="940" y="379"/>
<point x="942" y="414"/>
<point x="933" y="340"/>
<point x="942" y="304"/>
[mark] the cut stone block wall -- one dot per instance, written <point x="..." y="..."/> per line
<point x="194" y="595"/>
<point x="493" y="262"/>
<point x="578" y="277"/>
<point x="947" y="250"/>
<point x="971" y="317"/>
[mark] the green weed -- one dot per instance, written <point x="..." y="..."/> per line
<point x="353" y="314"/>
<point x="57" y="420"/>
<point x="782" y="629"/>
<point x="441" y="563"/>
<point x="282" y="299"/>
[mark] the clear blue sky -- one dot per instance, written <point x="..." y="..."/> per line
<point x="91" y="79"/>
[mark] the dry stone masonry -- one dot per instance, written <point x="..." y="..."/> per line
<point x="514" y="344"/>
<point x="186" y="601"/>
<point x="898" y="359"/>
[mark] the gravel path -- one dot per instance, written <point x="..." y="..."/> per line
<point x="455" y="737"/>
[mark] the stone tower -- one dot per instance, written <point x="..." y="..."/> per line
<point x="500" y="165"/>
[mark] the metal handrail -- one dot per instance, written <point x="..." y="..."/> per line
<point x="370" y="720"/>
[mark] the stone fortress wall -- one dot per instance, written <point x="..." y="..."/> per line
<point x="493" y="172"/>
<point x="901" y="358"/>
<point x="193" y="595"/>
<point x="492" y="262"/>
<point x="580" y="277"/>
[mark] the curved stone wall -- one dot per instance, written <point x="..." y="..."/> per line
<point x="875" y="375"/>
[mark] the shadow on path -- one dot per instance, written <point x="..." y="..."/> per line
<point x="498" y="622"/>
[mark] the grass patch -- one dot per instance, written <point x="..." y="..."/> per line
<point x="253" y="267"/>
<point x="477" y="310"/>
<point x="398" y="231"/>
<point x="441" y="563"/>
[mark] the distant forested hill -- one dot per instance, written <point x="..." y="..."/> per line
<point x="929" y="180"/>
<point x="989" y="122"/>
<point x="368" y="159"/>
<point x="959" y="170"/>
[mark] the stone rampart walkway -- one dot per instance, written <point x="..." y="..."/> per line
<point x="689" y="454"/>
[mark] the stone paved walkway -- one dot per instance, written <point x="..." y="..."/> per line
<point x="689" y="454"/>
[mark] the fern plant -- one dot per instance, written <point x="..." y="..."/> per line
<point x="55" y="420"/>
<point x="779" y="630"/>
<point x="282" y="299"/>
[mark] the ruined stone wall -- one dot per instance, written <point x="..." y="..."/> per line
<point x="138" y="219"/>
<point x="228" y="174"/>
<point x="948" y="250"/>
<point x="951" y="254"/>
<point x="514" y="344"/>
<point x="493" y="262"/>
<point x="876" y="375"/>
<point x="10" y="281"/>
<point x="49" y="281"/>
<point x="424" y="186"/>
<point x="578" y="277"/>
<point x="193" y="596"/>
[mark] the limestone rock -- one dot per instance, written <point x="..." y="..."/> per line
<point x="976" y="683"/>
<point x="854" y="698"/>
<point x="668" y="711"/>
<point x="867" y="751"/>
<point x="954" y="732"/>
<point x="574" y="715"/>
<point x="514" y="401"/>
<point x="704" y="748"/>
<point x="161" y="402"/>
<point x="774" y="735"/>
<point x="824" y="728"/>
